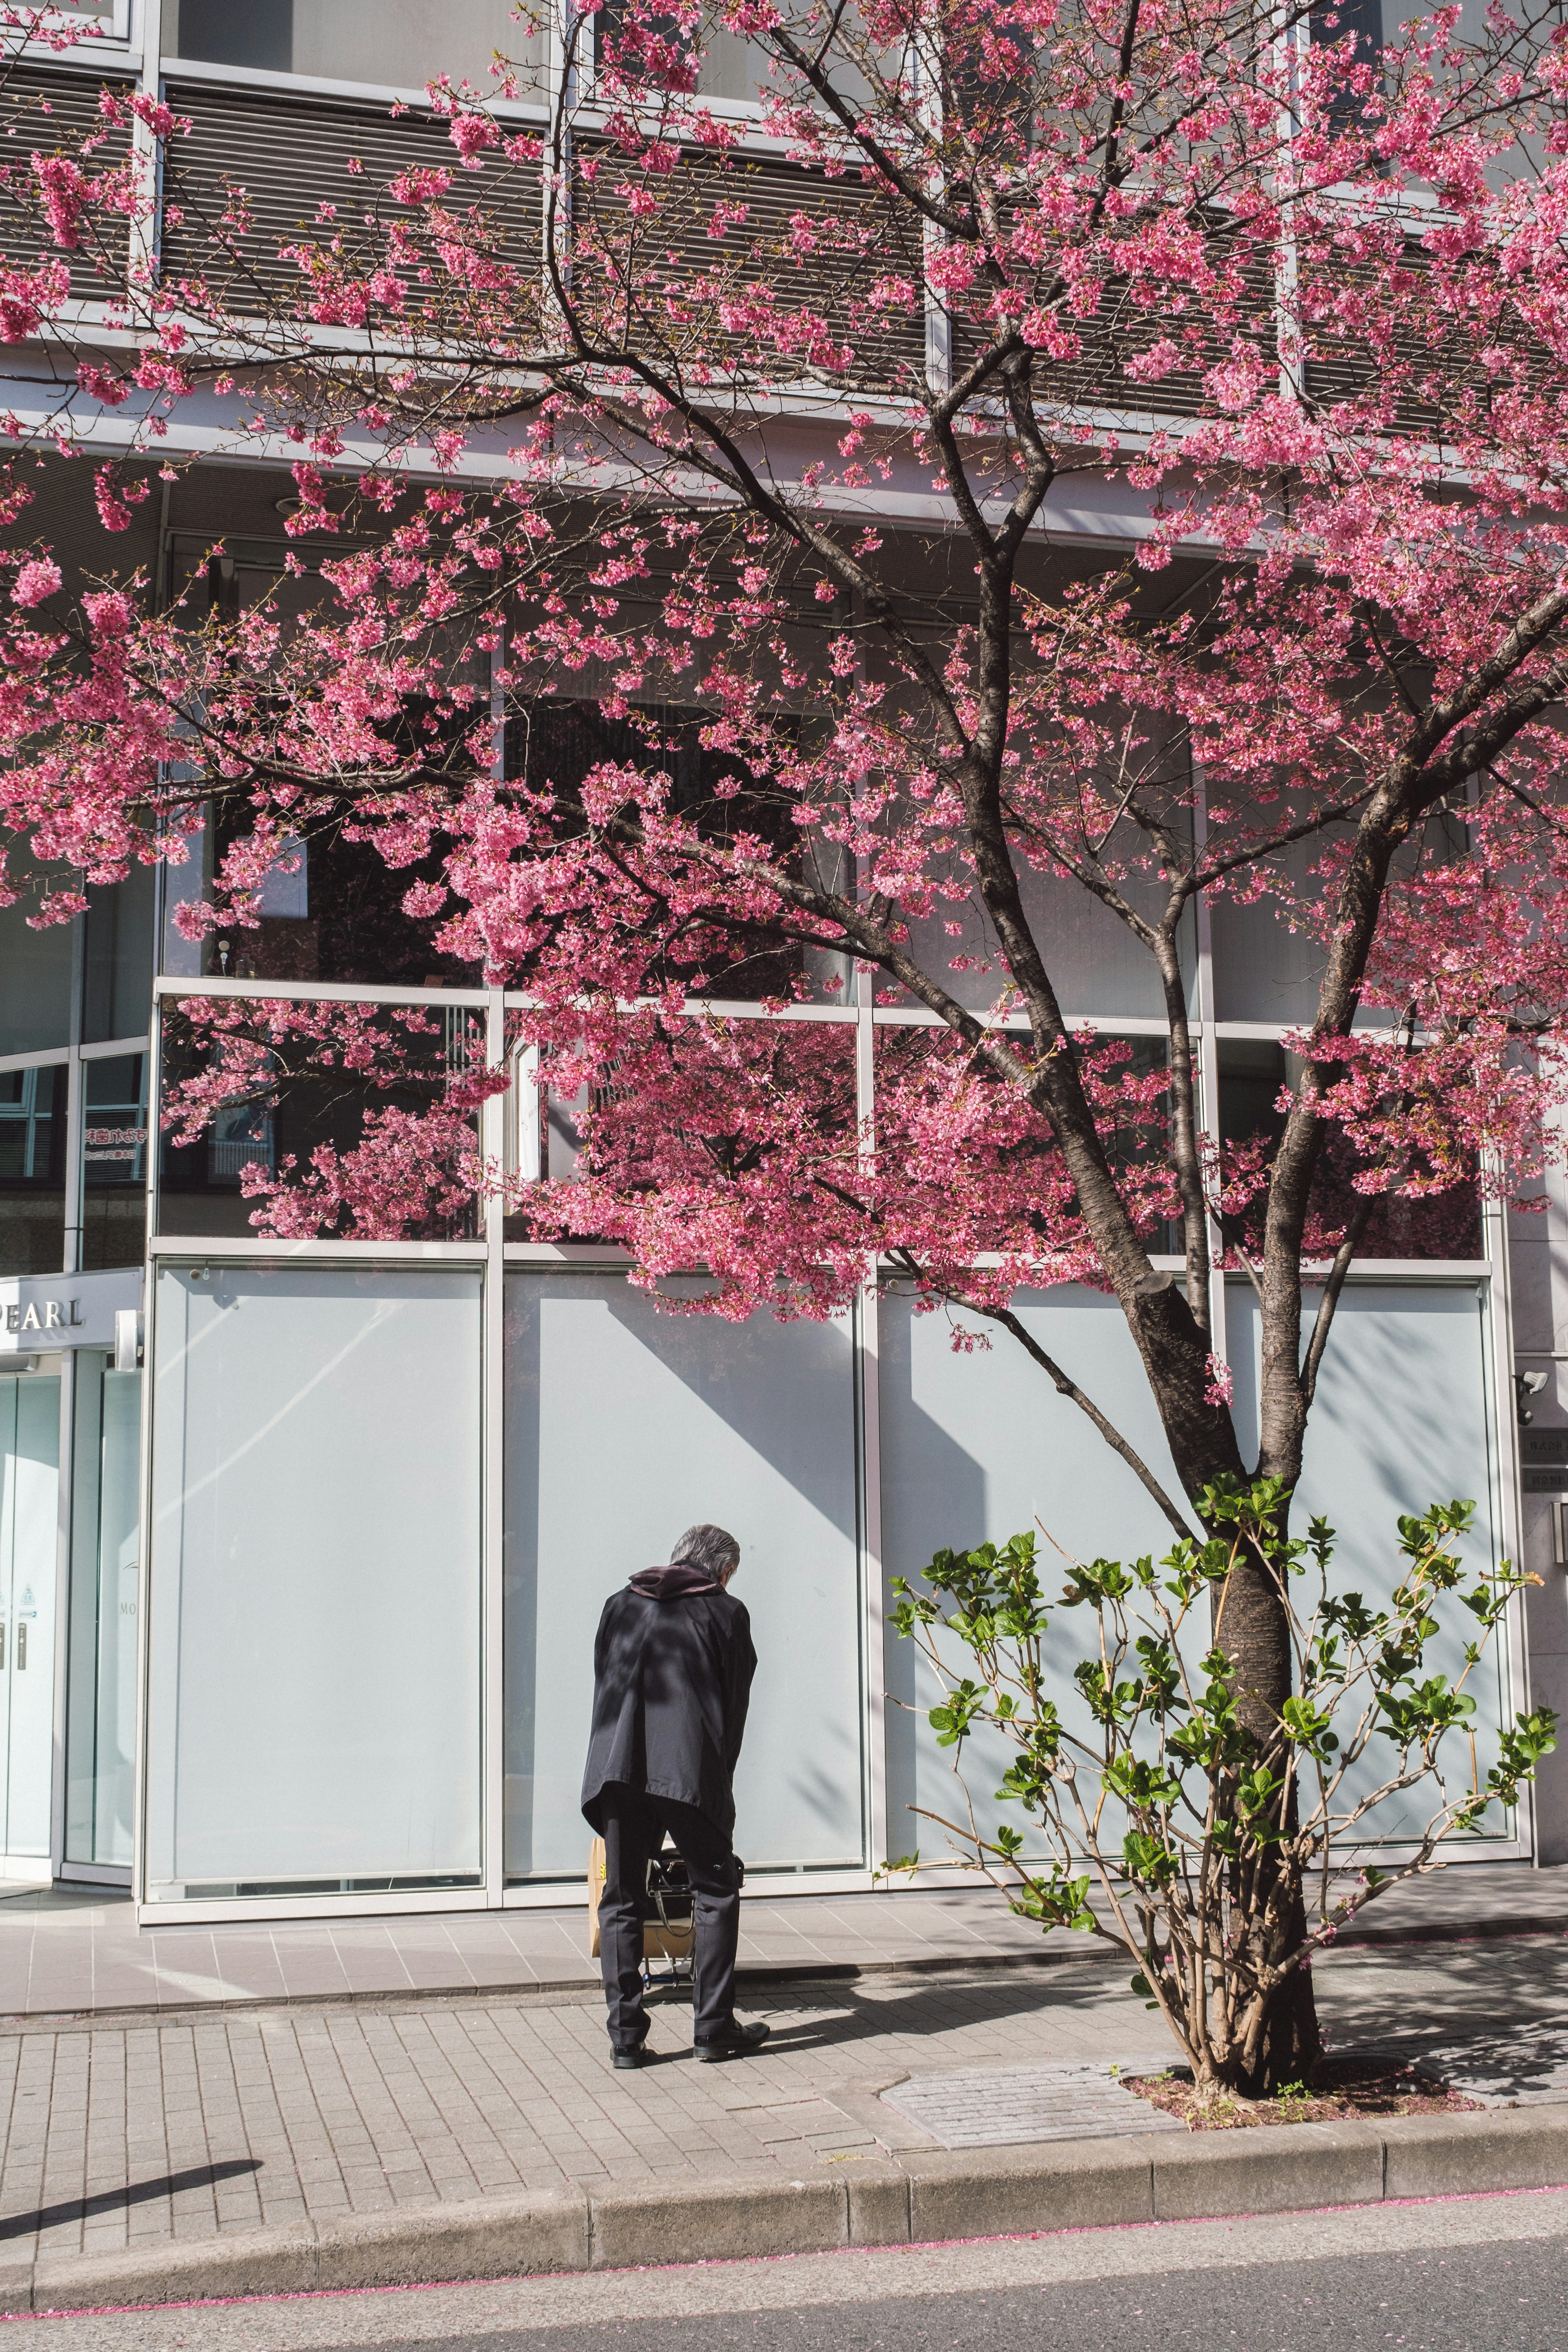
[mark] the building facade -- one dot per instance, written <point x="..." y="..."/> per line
<point x="303" y="1544"/>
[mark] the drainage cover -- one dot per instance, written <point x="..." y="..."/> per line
<point x="996" y="2106"/>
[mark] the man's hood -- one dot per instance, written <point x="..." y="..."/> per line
<point x="673" y="1583"/>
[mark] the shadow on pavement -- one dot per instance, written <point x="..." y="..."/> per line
<point x="139" y="2192"/>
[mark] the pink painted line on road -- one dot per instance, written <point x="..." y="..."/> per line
<point x="752" y="2262"/>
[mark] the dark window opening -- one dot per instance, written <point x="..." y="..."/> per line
<point x="1253" y="1074"/>
<point x="32" y="1170"/>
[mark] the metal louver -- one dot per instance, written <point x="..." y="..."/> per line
<point x="96" y="266"/>
<point x="1341" y="365"/>
<point x="291" y="155"/>
<point x="1121" y="329"/>
<point x="671" y="253"/>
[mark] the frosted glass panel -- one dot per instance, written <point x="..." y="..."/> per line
<point x="623" y="1426"/>
<point x="978" y="1447"/>
<point x="1420" y="1349"/>
<point x="398" y="43"/>
<point x="315" y="1698"/>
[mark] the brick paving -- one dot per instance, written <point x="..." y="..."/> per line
<point x="117" y="2133"/>
<point x="64" y="1950"/>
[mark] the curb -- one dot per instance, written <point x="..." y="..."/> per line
<point x="915" y="2197"/>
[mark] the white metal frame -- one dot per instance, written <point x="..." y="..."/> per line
<point x="492" y="1252"/>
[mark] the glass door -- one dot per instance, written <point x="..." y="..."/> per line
<point x="29" y="1533"/>
<point x="100" y="1711"/>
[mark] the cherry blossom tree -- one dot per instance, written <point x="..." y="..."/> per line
<point x="724" y="455"/>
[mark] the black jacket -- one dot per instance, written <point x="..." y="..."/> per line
<point x="672" y="1676"/>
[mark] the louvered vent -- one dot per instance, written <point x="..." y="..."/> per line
<point x="291" y="156"/>
<point x="668" y="259"/>
<point x="1119" y="330"/>
<point x="1341" y="365"/>
<point x="98" y="264"/>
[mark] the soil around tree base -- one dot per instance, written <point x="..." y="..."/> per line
<point x="1337" y="2090"/>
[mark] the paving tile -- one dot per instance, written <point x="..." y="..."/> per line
<point x="359" y="2107"/>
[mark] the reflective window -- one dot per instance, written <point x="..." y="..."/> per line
<point x="291" y="1102"/>
<point x="100" y="1704"/>
<point x="624" y="1425"/>
<point x="1252" y="1072"/>
<point x="332" y="908"/>
<point x="117" y="978"/>
<point x="35" y="979"/>
<point x="1097" y="966"/>
<point x="114" y="1161"/>
<point x="32" y="1170"/>
<point x="314" y="1695"/>
<point x="560" y="743"/>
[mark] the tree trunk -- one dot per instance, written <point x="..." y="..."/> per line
<point x="1290" y="2044"/>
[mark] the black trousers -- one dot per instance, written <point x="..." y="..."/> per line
<point x="634" y="1827"/>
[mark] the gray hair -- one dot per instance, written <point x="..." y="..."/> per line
<point x="713" y="1550"/>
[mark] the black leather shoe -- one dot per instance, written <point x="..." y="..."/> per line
<point x="740" y="2042"/>
<point x="627" y="2062"/>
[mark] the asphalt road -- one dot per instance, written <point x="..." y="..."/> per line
<point x="1460" y="2274"/>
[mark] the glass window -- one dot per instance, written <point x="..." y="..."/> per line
<point x="1263" y="971"/>
<point x="916" y="1067"/>
<point x="114" y="1161"/>
<point x="314" y="1695"/>
<point x="35" y="979"/>
<point x="1097" y="967"/>
<point x="332" y="908"/>
<point x="558" y="743"/>
<point x="293" y="1095"/>
<point x="117" y="983"/>
<point x="32" y="1170"/>
<point x="624" y="1425"/>
<point x="398" y="43"/>
<point x="1252" y="1074"/>
<point x="732" y="68"/>
<point x="101" y="1707"/>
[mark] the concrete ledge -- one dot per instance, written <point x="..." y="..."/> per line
<point x="739" y="2213"/>
<point x="995" y="2192"/>
<point x="879" y="2196"/>
<point x="913" y="2195"/>
<point x="1210" y="2174"/>
<point x="489" y="2237"/>
<point x="1448" y="2156"/>
<point x="248" y="2262"/>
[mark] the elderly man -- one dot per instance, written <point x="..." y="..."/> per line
<point x="672" y="1674"/>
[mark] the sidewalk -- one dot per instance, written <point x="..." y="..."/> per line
<point x="127" y="2134"/>
<point x="72" y="1952"/>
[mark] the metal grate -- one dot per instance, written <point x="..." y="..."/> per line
<point x="1004" y="2106"/>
